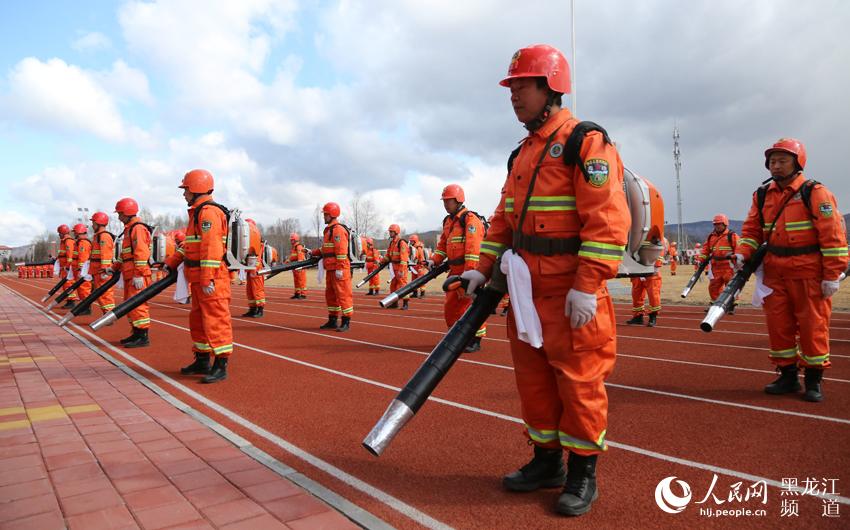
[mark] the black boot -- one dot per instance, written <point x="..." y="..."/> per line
<point x="370" y="292"/>
<point x="131" y="338"/>
<point x="421" y="294"/>
<point x="200" y="366"/>
<point x="295" y="296"/>
<point x="813" y="379"/>
<point x="69" y="304"/>
<point x="302" y="296"/>
<point x="473" y="346"/>
<point x="732" y="309"/>
<point x="252" y="312"/>
<point x="218" y="372"/>
<point x="652" y="319"/>
<point x="346" y="324"/>
<point x="259" y="313"/>
<point x="330" y="324"/>
<point x="504" y="311"/>
<point x="546" y="470"/>
<point x="636" y="320"/>
<point x="140" y="341"/>
<point x="580" y="489"/>
<point x="786" y="383"/>
<point x="404" y="305"/>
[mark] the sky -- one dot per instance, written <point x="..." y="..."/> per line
<point x="294" y="103"/>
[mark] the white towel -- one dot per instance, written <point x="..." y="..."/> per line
<point x="84" y="271"/>
<point x="242" y="275"/>
<point x="528" y="325"/>
<point x="181" y="290"/>
<point x="761" y="291"/>
<point x="320" y="276"/>
<point x="56" y="268"/>
<point x="70" y="275"/>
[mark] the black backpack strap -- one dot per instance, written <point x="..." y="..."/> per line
<point x="729" y="235"/>
<point x="761" y="195"/>
<point x="572" y="149"/>
<point x="514" y="154"/>
<point x="196" y="214"/>
<point x="806" y="192"/>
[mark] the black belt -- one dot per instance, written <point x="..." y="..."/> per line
<point x="191" y="262"/>
<point x="547" y="246"/>
<point x="793" y="251"/>
<point x="331" y="255"/>
<point x="456" y="261"/>
<point x="721" y="258"/>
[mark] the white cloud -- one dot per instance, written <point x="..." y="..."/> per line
<point x="124" y="82"/>
<point x="19" y="228"/>
<point x="92" y="41"/>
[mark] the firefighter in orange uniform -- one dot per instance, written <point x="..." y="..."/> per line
<point x="256" y="284"/>
<point x="334" y="253"/>
<point x="674" y="258"/>
<point x="568" y="220"/>
<point x="460" y="244"/>
<point x="133" y="262"/>
<point x="695" y="257"/>
<point x="82" y="264"/>
<point x="398" y="256"/>
<point x="102" y="252"/>
<point x="418" y="263"/>
<point x="373" y="261"/>
<point x="209" y="281"/>
<point x="806" y="257"/>
<point x="66" y="259"/>
<point x="641" y="288"/>
<point x="720" y="245"/>
<point x="299" y="276"/>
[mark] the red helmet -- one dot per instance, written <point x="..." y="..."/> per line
<point x="540" y="60"/>
<point x="63" y="229"/>
<point x="720" y="218"/>
<point x="370" y="241"/>
<point x="251" y="221"/>
<point x="414" y="238"/>
<point x="100" y="218"/>
<point x="294" y="237"/>
<point x="331" y="209"/>
<point x="394" y="228"/>
<point x="80" y="228"/>
<point x="453" y="191"/>
<point x="790" y="146"/>
<point x="697" y="245"/>
<point x="198" y="181"/>
<point x="127" y="206"/>
<point x="179" y="236"/>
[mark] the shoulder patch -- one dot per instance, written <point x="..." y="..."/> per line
<point x="597" y="171"/>
<point x="556" y="150"/>
<point x="825" y="209"/>
<point x="336" y="238"/>
<point x="205" y="226"/>
<point x="471" y="228"/>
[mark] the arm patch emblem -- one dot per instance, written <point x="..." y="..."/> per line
<point x="597" y="171"/>
<point x="825" y="209"/>
<point x="205" y="226"/>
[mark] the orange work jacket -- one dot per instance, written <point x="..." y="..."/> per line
<point x="297" y="253"/>
<point x="102" y="251"/>
<point x="805" y="243"/>
<point x="66" y="251"/>
<point x="458" y="244"/>
<point x="334" y="251"/>
<point x="589" y="212"/>
<point x="720" y="249"/>
<point x="372" y="255"/>
<point x="398" y="252"/>
<point x="135" y="250"/>
<point x="82" y="253"/>
<point x="203" y="249"/>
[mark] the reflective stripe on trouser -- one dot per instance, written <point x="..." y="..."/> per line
<point x="797" y="308"/>
<point x="256" y="290"/>
<point x="68" y="284"/>
<point x="209" y="320"/>
<point x="718" y="282"/>
<point x="653" y="289"/>
<point x="374" y="283"/>
<point x="139" y="317"/>
<point x="84" y="289"/>
<point x="561" y="385"/>
<point x="399" y="279"/>
<point x="638" y="296"/>
<point x="455" y="306"/>
<point x="107" y="299"/>
<point x="299" y="278"/>
<point x="338" y="294"/>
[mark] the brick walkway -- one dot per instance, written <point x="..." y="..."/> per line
<point x="83" y="445"/>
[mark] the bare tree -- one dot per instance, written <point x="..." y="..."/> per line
<point x="44" y="246"/>
<point x="318" y="221"/>
<point x="363" y="216"/>
<point x="277" y="234"/>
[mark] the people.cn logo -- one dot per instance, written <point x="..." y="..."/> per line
<point x="669" y="501"/>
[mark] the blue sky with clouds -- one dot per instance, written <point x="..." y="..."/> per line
<point x="292" y="103"/>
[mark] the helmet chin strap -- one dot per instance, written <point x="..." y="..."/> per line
<point x="786" y="177"/>
<point x="541" y="118"/>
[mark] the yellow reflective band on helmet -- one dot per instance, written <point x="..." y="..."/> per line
<point x="799" y="225"/>
<point x="834" y="251"/>
<point x="817" y="359"/>
<point x="749" y="242"/>
<point x="541" y="435"/>
<point x="492" y="248"/>
<point x="577" y="443"/>
<point x="598" y="250"/>
<point x="784" y="354"/>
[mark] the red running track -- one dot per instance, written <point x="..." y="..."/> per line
<point x="683" y="403"/>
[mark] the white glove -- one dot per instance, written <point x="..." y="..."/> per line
<point x="643" y="278"/>
<point x="738" y="262"/>
<point x="84" y="270"/>
<point x="475" y="279"/>
<point x="580" y="307"/>
<point x="87" y="277"/>
<point x="430" y="263"/>
<point x="338" y="273"/>
<point x="252" y="262"/>
<point x="104" y="275"/>
<point x="829" y="287"/>
<point x="138" y="283"/>
<point x="70" y="274"/>
<point x="209" y="289"/>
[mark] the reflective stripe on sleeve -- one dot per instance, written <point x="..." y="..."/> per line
<point x="597" y="250"/>
<point x="493" y="248"/>
<point x="749" y="242"/>
<point x="839" y="252"/>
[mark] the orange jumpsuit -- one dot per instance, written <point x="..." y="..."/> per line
<point x="82" y="254"/>
<point x="721" y="260"/>
<point x="420" y="266"/>
<point x="561" y="384"/>
<point x="133" y="262"/>
<point x="299" y="276"/>
<point x="398" y="254"/>
<point x="334" y="253"/>
<point x="373" y="260"/>
<point x="651" y="286"/>
<point x="806" y="246"/>
<point x="101" y="258"/>
<point x="202" y="256"/>
<point x="461" y="247"/>
<point x="66" y="259"/>
<point x="674" y="258"/>
<point x="255" y="288"/>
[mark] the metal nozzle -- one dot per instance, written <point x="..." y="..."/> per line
<point x="67" y="318"/>
<point x="45" y="298"/>
<point x="391" y="299"/>
<point x="360" y="284"/>
<point x="715" y="313"/>
<point x="395" y="417"/>
<point x="264" y="271"/>
<point x="686" y="291"/>
<point x="51" y="305"/>
<point x="106" y="320"/>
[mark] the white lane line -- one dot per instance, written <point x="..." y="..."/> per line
<point x="383" y="497"/>
<point x="711" y="344"/>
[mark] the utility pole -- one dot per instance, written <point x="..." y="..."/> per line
<point x="677" y="163"/>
